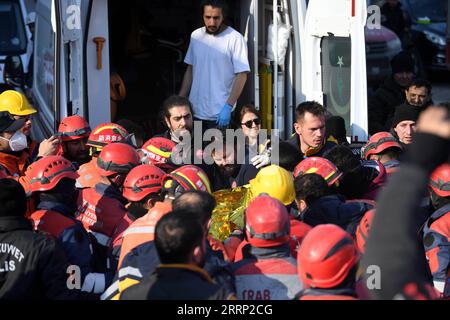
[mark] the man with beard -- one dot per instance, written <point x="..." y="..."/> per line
<point x="74" y="132"/>
<point x="217" y="68"/>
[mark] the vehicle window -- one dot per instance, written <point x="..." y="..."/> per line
<point x="336" y="70"/>
<point x="13" y="38"/>
<point x="44" y="61"/>
<point x="435" y="10"/>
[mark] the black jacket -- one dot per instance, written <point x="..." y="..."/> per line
<point x="382" y="104"/>
<point x="32" y="265"/>
<point x="176" y="282"/>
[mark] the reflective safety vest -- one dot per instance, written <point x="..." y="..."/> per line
<point x="267" y="279"/>
<point x="89" y="175"/>
<point x="101" y="211"/>
<point x="143" y="229"/>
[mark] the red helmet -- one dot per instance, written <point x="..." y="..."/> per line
<point x="378" y="143"/>
<point x="362" y="231"/>
<point x="326" y="256"/>
<point x="158" y="151"/>
<point x="142" y="181"/>
<point x="320" y="166"/>
<point x="117" y="158"/>
<point x="73" y="128"/>
<point x="267" y="222"/>
<point x="440" y="180"/>
<point x="106" y="133"/>
<point x="186" y="178"/>
<point x="47" y="172"/>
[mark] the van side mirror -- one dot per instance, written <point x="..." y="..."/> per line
<point x="14" y="74"/>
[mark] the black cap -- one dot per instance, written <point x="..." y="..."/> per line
<point x="404" y="112"/>
<point x="402" y="62"/>
<point x="12" y="198"/>
<point x="8" y="123"/>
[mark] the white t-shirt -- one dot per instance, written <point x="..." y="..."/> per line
<point x="215" y="60"/>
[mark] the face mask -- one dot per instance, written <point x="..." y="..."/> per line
<point x="18" y="141"/>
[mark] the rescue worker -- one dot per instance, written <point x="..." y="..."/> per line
<point x="385" y="148"/>
<point x="19" y="107"/>
<point x="327" y="264"/>
<point x="309" y="138"/>
<point x="267" y="271"/>
<point x="74" y="132"/>
<point x="321" y="166"/>
<point x="12" y="143"/>
<point x="52" y="182"/>
<point x="101" y="209"/>
<point x="360" y="180"/>
<point x="393" y="245"/>
<point x="158" y="151"/>
<point x="180" y="244"/>
<point x="436" y="233"/>
<point x="142" y="188"/>
<point x="319" y="204"/>
<point x="101" y="136"/>
<point x="34" y="267"/>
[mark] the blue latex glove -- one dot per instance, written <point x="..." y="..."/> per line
<point x="224" y="116"/>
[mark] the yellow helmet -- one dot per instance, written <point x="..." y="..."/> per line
<point x="276" y="182"/>
<point x="15" y="103"/>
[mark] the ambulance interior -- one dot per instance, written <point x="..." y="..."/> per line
<point x="148" y="42"/>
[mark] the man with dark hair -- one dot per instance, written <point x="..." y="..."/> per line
<point x="180" y="242"/>
<point x="177" y="114"/>
<point x="33" y="265"/>
<point x="200" y="203"/>
<point x="309" y="137"/>
<point x="319" y="204"/>
<point x="217" y="67"/>
<point x="288" y="156"/>
<point x="391" y="92"/>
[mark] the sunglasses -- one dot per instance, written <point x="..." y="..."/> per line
<point x="249" y="123"/>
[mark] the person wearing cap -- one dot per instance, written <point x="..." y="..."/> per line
<point x="391" y="92"/>
<point x="404" y="124"/>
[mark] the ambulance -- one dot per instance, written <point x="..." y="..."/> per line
<point x="107" y="60"/>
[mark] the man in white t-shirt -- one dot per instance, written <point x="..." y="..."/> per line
<point x="217" y="69"/>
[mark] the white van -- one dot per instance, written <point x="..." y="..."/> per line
<point x="79" y="43"/>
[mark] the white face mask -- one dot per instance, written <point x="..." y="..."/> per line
<point x="18" y="141"/>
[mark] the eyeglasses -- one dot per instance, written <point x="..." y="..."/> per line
<point x="249" y="123"/>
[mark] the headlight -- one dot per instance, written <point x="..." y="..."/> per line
<point x="394" y="45"/>
<point x="436" y="39"/>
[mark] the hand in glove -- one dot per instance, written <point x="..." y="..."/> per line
<point x="260" y="160"/>
<point x="224" y="116"/>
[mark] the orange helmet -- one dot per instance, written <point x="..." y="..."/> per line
<point x="326" y="256"/>
<point x="47" y="172"/>
<point x="117" y="158"/>
<point x="186" y="178"/>
<point x="267" y="222"/>
<point x="362" y="231"/>
<point x="320" y="166"/>
<point x="73" y="128"/>
<point x="158" y="151"/>
<point x="141" y="181"/>
<point x="440" y="180"/>
<point x="378" y="143"/>
<point x="106" y="133"/>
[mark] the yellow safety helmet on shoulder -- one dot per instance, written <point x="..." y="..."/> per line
<point x="276" y="182"/>
<point x="15" y="103"/>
